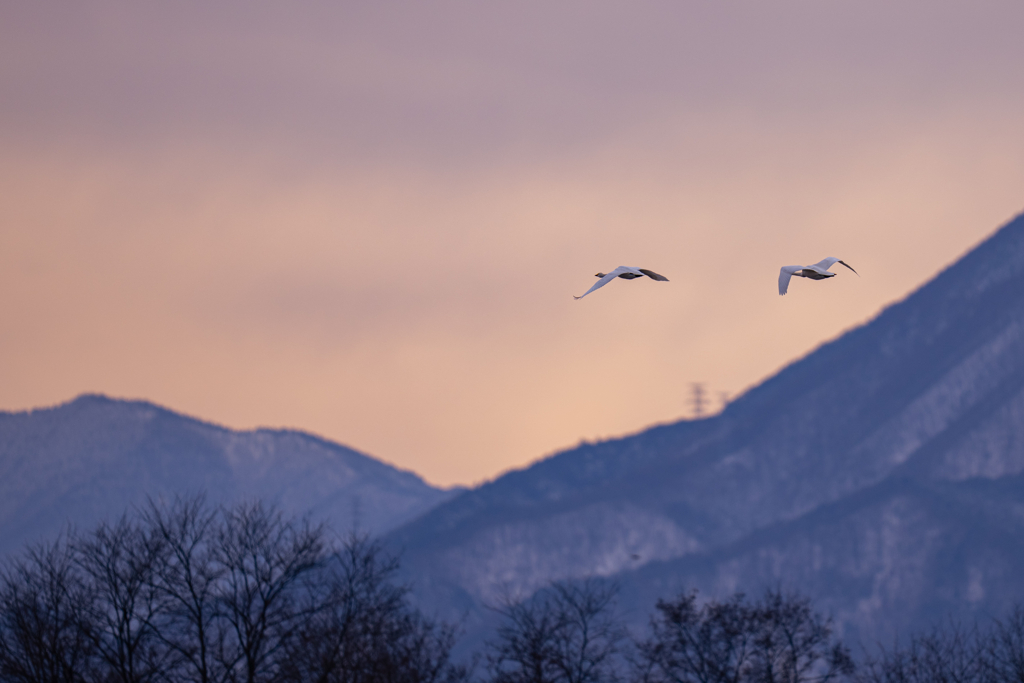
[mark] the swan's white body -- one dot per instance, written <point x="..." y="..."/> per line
<point x="626" y="273"/>
<point x="818" y="271"/>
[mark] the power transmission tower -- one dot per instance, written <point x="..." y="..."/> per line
<point x="697" y="399"/>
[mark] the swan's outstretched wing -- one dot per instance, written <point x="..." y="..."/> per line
<point x="605" y="280"/>
<point x="825" y="263"/>
<point x="654" y="276"/>
<point x="785" y="273"/>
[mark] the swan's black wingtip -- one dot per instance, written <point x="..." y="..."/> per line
<point x="654" y="276"/>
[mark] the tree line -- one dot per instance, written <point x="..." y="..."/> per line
<point x="208" y="594"/>
<point x="189" y="592"/>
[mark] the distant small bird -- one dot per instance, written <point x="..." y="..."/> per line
<point x="819" y="271"/>
<point x="634" y="557"/>
<point x="626" y="273"/>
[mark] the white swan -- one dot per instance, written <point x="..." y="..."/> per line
<point x="819" y="271"/>
<point x="626" y="273"/>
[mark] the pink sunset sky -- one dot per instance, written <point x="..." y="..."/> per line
<point x="367" y="220"/>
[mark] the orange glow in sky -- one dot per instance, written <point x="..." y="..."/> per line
<point x="367" y="220"/>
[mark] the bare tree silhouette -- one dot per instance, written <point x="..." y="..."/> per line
<point x="43" y="618"/>
<point x="117" y="563"/>
<point x="261" y="596"/>
<point x="778" y="639"/>
<point x="566" y="633"/>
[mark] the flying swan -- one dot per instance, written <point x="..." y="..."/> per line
<point x="626" y="273"/>
<point x="819" y="271"/>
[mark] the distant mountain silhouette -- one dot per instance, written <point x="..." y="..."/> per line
<point x="882" y="474"/>
<point x="92" y="458"/>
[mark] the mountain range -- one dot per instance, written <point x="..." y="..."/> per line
<point x="882" y="475"/>
<point x="93" y="458"/>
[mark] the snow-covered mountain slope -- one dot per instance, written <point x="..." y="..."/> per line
<point x="95" y="457"/>
<point x="901" y="555"/>
<point x="857" y="472"/>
